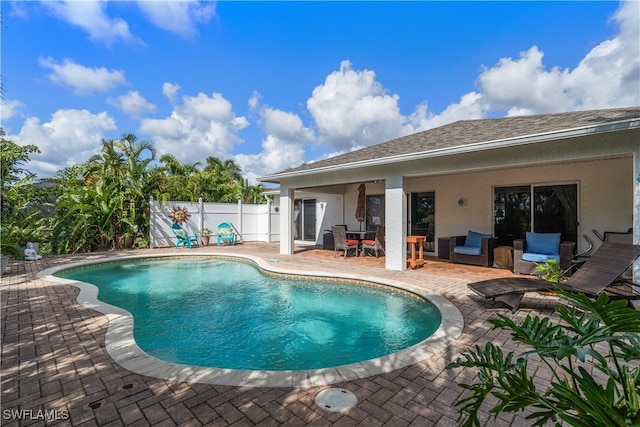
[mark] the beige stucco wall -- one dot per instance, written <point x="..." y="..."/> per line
<point x="605" y="191"/>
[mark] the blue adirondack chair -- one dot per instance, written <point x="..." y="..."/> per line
<point x="184" y="238"/>
<point x="226" y="233"/>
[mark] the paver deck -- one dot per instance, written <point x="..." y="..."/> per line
<point x="55" y="370"/>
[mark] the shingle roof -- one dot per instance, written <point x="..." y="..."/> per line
<point x="467" y="132"/>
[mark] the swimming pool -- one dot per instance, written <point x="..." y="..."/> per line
<point x="142" y="352"/>
<point x="228" y="314"/>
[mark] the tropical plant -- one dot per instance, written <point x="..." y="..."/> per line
<point x="104" y="203"/>
<point x="592" y="356"/>
<point x="228" y="168"/>
<point x="8" y="247"/>
<point x="551" y="271"/>
<point x="23" y="200"/>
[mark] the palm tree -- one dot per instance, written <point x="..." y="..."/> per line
<point x="228" y="167"/>
<point x="21" y="201"/>
<point x="254" y="193"/>
<point x="135" y="168"/>
<point x="175" y="168"/>
<point x="111" y="206"/>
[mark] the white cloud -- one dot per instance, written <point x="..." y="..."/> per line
<point x="470" y="106"/>
<point x="132" y="103"/>
<point x="283" y="147"/>
<point x="171" y="91"/>
<point x="607" y="77"/>
<point x="69" y="138"/>
<point x="91" y="17"/>
<point x="83" y="80"/>
<point x="201" y="126"/>
<point x="9" y="108"/>
<point x="352" y="109"/>
<point x="179" y="17"/>
<point x="254" y="101"/>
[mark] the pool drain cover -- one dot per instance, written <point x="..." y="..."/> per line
<point x="336" y="400"/>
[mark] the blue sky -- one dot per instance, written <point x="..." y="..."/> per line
<point x="274" y="84"/>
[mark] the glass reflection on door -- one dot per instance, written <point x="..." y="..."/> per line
<point x="304" y="219"/>
<point x="423" y="217"/>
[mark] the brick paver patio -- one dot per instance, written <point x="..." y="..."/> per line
<point x="55" y="370"/>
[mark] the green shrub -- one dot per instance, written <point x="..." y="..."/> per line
<point x="551" y="271"/>
<point x="600" y="334"/>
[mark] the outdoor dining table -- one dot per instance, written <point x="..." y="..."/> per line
<point x="419" y="241"/>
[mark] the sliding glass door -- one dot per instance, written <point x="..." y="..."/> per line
<point x="539" y="208"/>
<point x="304" y="219"/>
<point x="374" y="212"/>
<point x="422" y="217"/>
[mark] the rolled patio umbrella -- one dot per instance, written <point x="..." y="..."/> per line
<point x="360" y="209"/>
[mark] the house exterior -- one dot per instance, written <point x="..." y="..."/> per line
<point x="577" y="172"/>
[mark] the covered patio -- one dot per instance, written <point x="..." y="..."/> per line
<point x="458" y="173"/>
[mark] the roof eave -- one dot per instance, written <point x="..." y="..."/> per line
<point x="473" y="147"/>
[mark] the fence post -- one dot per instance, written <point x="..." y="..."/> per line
<point x="152" y="223"/>
<point x="201" y="210"/>
<point x="240" y="230"/>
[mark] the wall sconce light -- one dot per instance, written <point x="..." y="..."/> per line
<point x="462" y="202"/>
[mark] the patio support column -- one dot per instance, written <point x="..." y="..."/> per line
<point x="287" y="199"/>
<point x="395" y="223"/>
<point x="636" y="215"/>
<point x="268" y="220"/>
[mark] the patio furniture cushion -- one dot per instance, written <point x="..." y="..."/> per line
<point x="472" y="243"/>
<point x="473" y="248"/>
<point x="468" y="250"/>
<point x="474" y="239"/>
<point x="375" y="244"/>
<point x="531" y="257"/>
<point x="225" y="232"/>
<point x="543" y="243"/>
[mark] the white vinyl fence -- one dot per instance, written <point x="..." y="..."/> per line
<point x="253" y="223"/>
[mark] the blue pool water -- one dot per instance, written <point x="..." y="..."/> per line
<point x="221" y="313"/>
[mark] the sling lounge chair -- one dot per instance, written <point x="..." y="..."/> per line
<point x="598" y="274"/>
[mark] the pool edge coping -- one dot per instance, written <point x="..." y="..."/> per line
<point x="121" y="346"/>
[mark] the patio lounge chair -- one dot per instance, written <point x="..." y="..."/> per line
<point x="341" y="243"/>
<point x="474" y="248"/>
<point x="596" y="275"/>
<point x="184" y="238"/>
<point x="375" y="245"/>
<point x="226" y="233"/>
